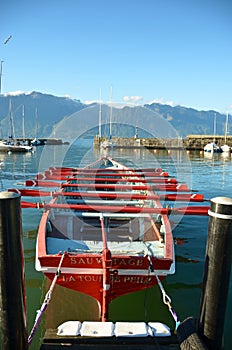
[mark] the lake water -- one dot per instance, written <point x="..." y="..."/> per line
<point x="209" y="175"/>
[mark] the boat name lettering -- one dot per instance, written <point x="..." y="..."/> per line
<point x="81" y="278"/>
<point x="85" y="261"/>
<point x="137" y="279"/>
<point x="113" y="279"/>
<point x="130" y="262"/>
<point x="115" y="261"/>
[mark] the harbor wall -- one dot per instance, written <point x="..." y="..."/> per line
<point x="191" y="142"/>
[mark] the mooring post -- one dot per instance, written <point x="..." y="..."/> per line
<point x="13" y="324"/>
<point x="216" y="273"/>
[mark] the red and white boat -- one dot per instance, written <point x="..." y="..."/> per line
<point x="111" y="228"/>
<point x="105" y="229"/>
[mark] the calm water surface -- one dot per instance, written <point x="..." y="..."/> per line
<point x="209" y="175"/>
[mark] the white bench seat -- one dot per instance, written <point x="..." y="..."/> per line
<point x="134" y="248"/>
<point x="117" y="329"/>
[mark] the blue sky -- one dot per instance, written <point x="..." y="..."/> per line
<point x="169" y="51"/>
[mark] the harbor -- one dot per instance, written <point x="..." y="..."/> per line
<point x="115" y="176"/>
<point x="184" y="308"/>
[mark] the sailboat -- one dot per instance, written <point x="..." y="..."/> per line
<point x="225" y="147"/>
<point x="109" y="143"/>
<point x="212" y="147"/>
<point x="36" y="141"/>
<point x="12" y="145"/>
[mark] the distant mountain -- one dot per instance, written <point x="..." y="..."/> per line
<point x="53" y="111"/>
<point x="190" y="121"/>
<point x="49" y="109"/>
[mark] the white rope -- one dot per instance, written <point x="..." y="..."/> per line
<point x="166" y="298"/>
<point x="45" y="302"/>
<point x="49" y="293"/>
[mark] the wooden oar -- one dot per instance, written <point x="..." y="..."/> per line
<point x="104" y="179"/>
<point x="24" y="192"/>
<point x="171" y="187"/>
<point x="190" y="210"/>
<point x="158" y="187"/>
<point x="94" y="170"/>
<point x="31" y="205"/>
<point x="108" y="174"/>
<point x="36" y="183"/>
<point x="194" y="210"/>
<point x="199" y="210"/>
<point x="169" y="197"/>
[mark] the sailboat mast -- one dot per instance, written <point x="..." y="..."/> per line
<point x="226" y="127"/>
<point x="214" y="127"/>
<point x="12" y="133"/>
<point x="111" y="112"/>
<point x="36" y="123"/>
<point x="23" y="129"/>
<point x="100" y="116"/>
<point x="1" y="62"/>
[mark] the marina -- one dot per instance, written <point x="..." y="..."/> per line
<point x="189" y="251"/>
<point x="115" y="176"/>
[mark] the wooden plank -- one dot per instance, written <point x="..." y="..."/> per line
<point x="52" y="341"/>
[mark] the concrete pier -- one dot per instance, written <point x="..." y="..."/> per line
<point x="191" y="142"/>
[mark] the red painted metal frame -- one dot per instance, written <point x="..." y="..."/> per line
<point x="106" y="264"/>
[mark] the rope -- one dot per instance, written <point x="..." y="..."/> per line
<point x="166" y="298"/>
<point x="47" y="299"/>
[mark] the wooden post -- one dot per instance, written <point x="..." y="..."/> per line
<point x="217" y="273"/>
<point x="13" y="324"/>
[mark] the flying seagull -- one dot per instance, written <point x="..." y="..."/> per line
<point x="6" y="41"/>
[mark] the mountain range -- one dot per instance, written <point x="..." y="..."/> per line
<point x="44" y="112"/>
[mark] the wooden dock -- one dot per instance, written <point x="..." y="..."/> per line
<point x="52" y="341"/>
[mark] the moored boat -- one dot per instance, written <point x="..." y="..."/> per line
<point x="10" y="147"/>
<point x="226" y="148"/>
<point x="212" y="147"/>
<point x="108" y="226"/>
<point x="105" y="232"/>
<point x="108" y="144"/>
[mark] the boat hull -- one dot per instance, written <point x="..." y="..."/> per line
<point x="88" y="276"/>
<point x="105" y="251"/>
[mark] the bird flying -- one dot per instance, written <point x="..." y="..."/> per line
<point x="6" y="41"/>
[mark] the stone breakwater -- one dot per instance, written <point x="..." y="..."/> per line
<point x="191" y="142"/>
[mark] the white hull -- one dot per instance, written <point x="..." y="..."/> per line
<point x="212" y="148"/>
<point x="5" y="147"/>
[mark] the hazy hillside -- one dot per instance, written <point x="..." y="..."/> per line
<point x="190" y="121"/>
<point x="49" y="109"/>
<point x="53" y="111"/>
